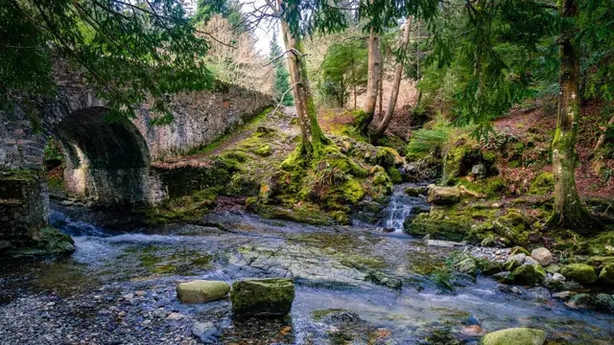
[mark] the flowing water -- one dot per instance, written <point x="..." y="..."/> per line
<point x="401" y="206"/>
<point x="353" y="285"/>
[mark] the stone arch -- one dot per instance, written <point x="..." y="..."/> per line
<point x="107" y="163"/>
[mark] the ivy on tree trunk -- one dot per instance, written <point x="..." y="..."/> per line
<point x="373" y="80"/>
<point x="312" y="137"/>
<point x="568" y="209"/>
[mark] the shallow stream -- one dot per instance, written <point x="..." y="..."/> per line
<point x="353" y="286"/>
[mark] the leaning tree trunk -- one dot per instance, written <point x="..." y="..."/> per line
<point x="568" y="209"/>
<point x="312" y="137"/>
<point x="373" y="79"/>
<point x="398" y="75"/>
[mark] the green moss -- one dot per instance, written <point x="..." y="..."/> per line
<point x="602" y="244"/>
<point x="395" y="175"/>
<point x="47" y="241"/>
<point x="581" y="273"/>
<point x="387" y="157"/>
<point x="542" y="184"/>
<point x="262" y="296"/>
<point x="185" y="208"/>
<point x="229" y="134"/>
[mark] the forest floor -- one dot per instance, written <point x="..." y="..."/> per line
<point x="593" y="176"/>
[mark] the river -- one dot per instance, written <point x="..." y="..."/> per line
<point x="354" y="285"/>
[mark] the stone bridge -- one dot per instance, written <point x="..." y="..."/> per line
<point x="106" y="163"/>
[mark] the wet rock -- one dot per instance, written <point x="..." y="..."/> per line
<point x="467" y="265"/>
<point x="382" y="279"/>
<point x="581" y="273"/>
<point x="174" y="316"/>
<point x="515" y="336"/>
<point x="564" y="295"/>
<point x="206" y="332"/>
<point x="606" y="276"/>
<point x="491" y="267"/>
<point x="604" y="302"/>
<point x="542" y="255"/>
<point x="581" y="300"/>
<point x="262" y="297"/>
<point x="539" y="293"/>
<point x="472" y="320"/>
<point x="553" y="268"/>
<point x="529" y="275"/>
<point x="503" y="277"/>
<point x="443" y="195"/>
<point x="555" y="281"/>
<point x="415" y="191"/>
<point x="514" y="262"/>
<point x="200" y="291"/>
<point x="519" y="250"/>
<point x="530" y="261"/>
<point x="473" y="331"/>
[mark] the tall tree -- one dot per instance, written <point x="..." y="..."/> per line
<point x="125" y="50"/>
<point x="312" y="137"/>
<point x="569" y="211"/>
<point x="282" y="85"/>
<point x="344" y="67"/>
<point x="396" y="84"/>
<point x="373" y="79"/>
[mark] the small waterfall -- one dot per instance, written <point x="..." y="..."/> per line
<point x="399" y="211"/>
<point x="74" y="228"/>
<point x="400" y="207"/>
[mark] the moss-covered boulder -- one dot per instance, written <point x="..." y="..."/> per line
<point x="266" y="297"/>
<point x="201" y="291"/>
<point x="529" y="275"/>
<point x="443" y="195"/>
<point x="514" y="261"/>
<point x="451" y="228"/>
<point x="465" y="154"/>
<point x="387" y="157"/>
<point x="515" y="336"/>
<point x="580" y="273"/>
<point x="606" y="276"/>
<point x="46" y="242"/>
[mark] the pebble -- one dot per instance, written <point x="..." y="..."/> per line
<point x="174" y="316"/>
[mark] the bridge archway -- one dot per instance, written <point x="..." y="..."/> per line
<point x="106" y="163"/>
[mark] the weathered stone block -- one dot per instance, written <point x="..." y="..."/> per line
<point x="272" y="297"/>
<point x="200" y="291"/>
<point x="443" y="195"/>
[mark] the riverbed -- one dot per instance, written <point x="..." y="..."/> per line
<point x="354" y="285"/>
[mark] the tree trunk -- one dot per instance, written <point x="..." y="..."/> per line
<point x="380" y="93"/>
<point x="312" y="137"/>
<point x="398" y="75"/>
<point x="373" y="78"/>
<point x="568" y="209"/>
